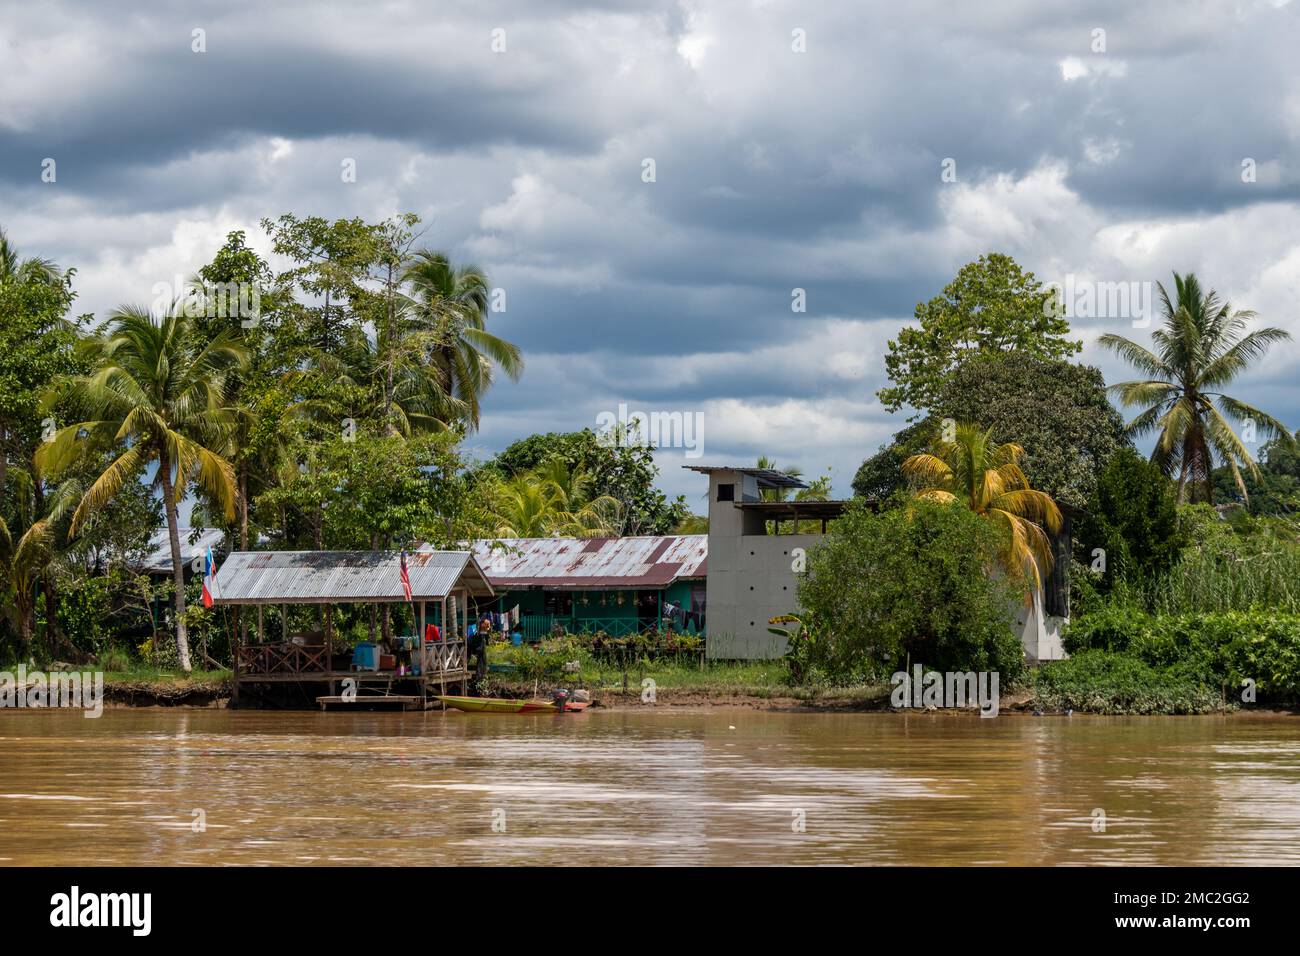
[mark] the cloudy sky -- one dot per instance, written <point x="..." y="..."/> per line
<point x="794" y="146"/>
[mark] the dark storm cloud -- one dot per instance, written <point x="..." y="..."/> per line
<point x="774" y="170"/>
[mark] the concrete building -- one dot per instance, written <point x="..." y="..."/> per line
<point x="756" y="549"/>
<point x="753" y="565"/>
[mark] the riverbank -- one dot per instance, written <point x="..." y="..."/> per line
<point x="752" y="686"/>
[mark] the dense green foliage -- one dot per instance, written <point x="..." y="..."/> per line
<point x="1130" y="531"/>
<point x="1217" y="648"/>
<point x="1101" y="683"/>
<point x="625" y="473"/>
<point x="1057" y="411"/>
<point x="991" y="306"/>
<point x="1274" y="489"/>
<point x="908" y="584"/>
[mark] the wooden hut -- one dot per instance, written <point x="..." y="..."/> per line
<point x="443" y="586"/>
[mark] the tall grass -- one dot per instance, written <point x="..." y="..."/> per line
<point x="1203" y="581"/>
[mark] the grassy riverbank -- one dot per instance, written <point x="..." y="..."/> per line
<point x="1092" y="682"/>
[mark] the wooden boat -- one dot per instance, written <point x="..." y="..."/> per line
<point x="498" y="705"/>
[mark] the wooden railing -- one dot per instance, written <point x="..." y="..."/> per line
<point x="285" y="658"/>
<point x="442" y="656"/>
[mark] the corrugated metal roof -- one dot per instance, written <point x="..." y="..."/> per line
<point x="631" y="562"/>
<point x="766" y="477"/>
<point x="315" y="577"/>
<point x="158" y="558"/>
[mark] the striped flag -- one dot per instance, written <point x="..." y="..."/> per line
<point x="406" y="578"/>
<point x="209" y="569"/>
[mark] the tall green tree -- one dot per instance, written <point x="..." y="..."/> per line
<point x="157" y="395"/>
<point x="450" y="304"/>
<point x="992" y="305"/>
<point x="1130" y="529"/>
<point x="36" y="346"/>
<point x="1056" y="410"/>
<point x="1202" y="347"/>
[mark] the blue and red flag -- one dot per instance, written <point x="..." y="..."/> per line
<point x="209" y="569"/>
<point x="406" y="577"/>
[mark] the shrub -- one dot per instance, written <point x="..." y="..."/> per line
<point x="1100" y="682"/>
<point x="912" y="582"/>
<point x="1112" y="627"/>
<point x="1218" y="649"/>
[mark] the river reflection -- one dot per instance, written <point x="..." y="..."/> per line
<point x="644" y="787"/>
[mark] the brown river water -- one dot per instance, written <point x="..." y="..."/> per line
<point x="722" y="786"/>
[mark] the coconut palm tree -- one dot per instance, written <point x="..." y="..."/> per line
<point x="12" y="267"/>
<point x="23" y="557"/>
<point x="452" y="303"/>
<point x="26" y="558"/>
<point x="777" y="494"/>
<point x="552" y="501"/>
<point x="1200" y="349"/>
<point x="157" y="392"/>
<point x="576" y="509"/>
<point x="986" y="477"/>
<point x="524" y="508"/>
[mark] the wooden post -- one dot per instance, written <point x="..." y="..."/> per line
<point x="284" y="623"/>
<point x="442" y="671"/>
<point x="239" y="646"/>
<point x="329" y="635"/>
<point x="261" y="635"/>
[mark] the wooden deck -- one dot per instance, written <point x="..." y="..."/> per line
<point x="358" y="701"/>
<point x="289" y="663"/>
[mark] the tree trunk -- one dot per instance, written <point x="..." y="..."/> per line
<point x="318" y="541"/>
<point x="51" y="615"/>
<point x="25" y="615"/>
<point x="392" y="336"/>
<point x="243" y="504"/>
<point x="4" y="456"/>
<point x="178" y="567"/>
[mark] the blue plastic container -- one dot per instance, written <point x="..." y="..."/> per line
<point x="366" y="656"/>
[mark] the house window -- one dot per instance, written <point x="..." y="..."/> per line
<point x="558" y="603"/>
<point x="726" y="492"/>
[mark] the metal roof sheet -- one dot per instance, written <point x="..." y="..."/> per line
<point x="157" y="558"/>
<point x="642" y="561"/>
<point x="315" y="577"/>
<point x="766" y="477"/>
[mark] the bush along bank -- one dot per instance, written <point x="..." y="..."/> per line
<point x="1124" y="660"/>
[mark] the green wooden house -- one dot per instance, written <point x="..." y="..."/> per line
<point x="621" y="586"/>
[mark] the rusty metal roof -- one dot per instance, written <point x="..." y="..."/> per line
<point x="318" y="577"/>
<point x="576" y="563"/>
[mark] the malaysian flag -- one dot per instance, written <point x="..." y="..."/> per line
<point x="209" y="569"/>
<point x="406" y="577"/>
